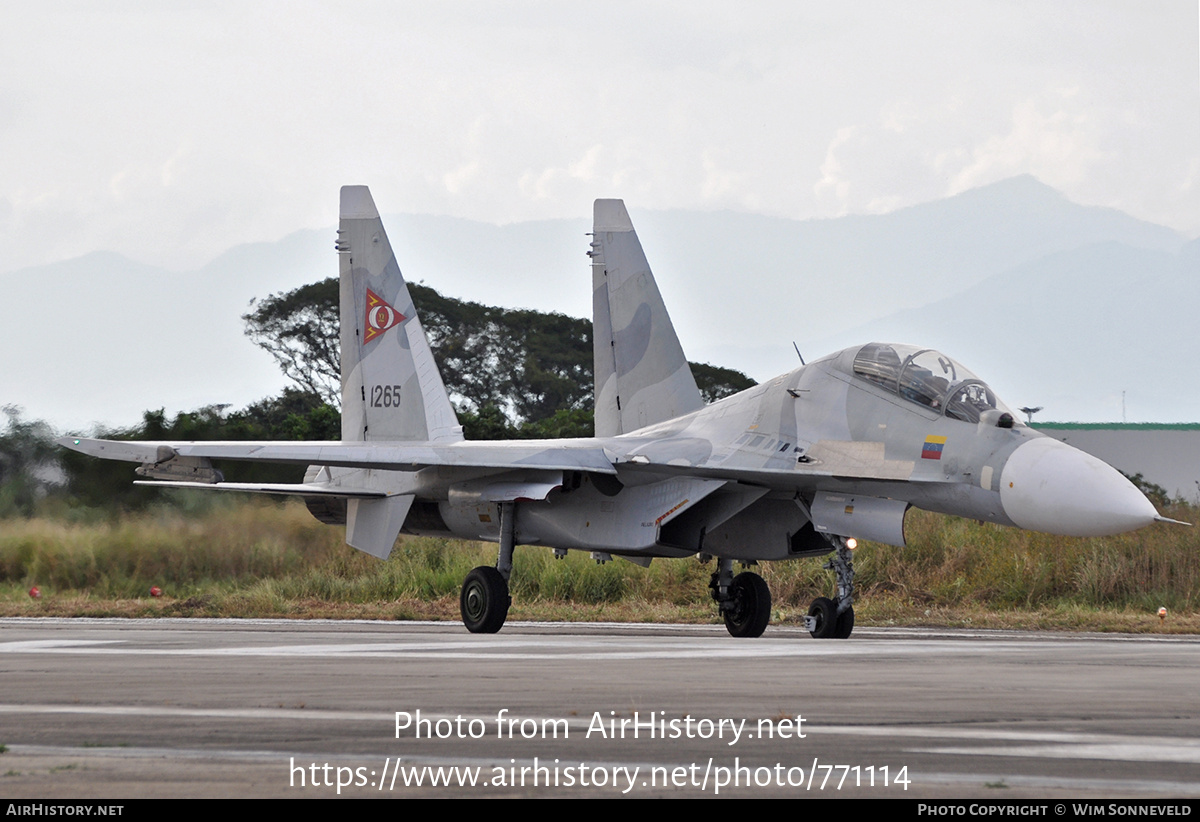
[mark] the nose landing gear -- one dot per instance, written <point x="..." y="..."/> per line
<point x="834" y="619"/>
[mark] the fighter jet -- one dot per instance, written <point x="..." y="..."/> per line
<point x="804" y="465"/>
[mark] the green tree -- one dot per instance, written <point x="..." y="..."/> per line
<point x="509" y="372"/>
<point x="300" y="330"/>
<point x="716" y="383"/>
<point x="29" y="467"/>
<point x="293" y="415"/>
<point x="1155" y="492"/>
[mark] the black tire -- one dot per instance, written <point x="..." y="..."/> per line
<point x="825" y="613"/>
<point x="751" y="606"/>
<point x="484" y="600"/>
<point x="845" y="624"/>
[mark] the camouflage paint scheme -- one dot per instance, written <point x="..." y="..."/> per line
<point x="839" y="448"/>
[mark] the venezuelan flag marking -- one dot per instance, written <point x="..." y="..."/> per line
<point x="932" y="449"/>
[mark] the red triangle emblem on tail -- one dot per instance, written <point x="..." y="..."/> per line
<point x="380" y="316"/>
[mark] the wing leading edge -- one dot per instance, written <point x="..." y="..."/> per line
<point x="558" y="455"/>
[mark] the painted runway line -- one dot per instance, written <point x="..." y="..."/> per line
<point x="1038" y="744"/>
<point x="551" y="648"/>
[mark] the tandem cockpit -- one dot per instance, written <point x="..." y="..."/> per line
<point x="931" y="379"/>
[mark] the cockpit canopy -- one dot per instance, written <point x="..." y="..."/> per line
<point x="929" y="378"/>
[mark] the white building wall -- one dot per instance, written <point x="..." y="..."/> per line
<point x="1165" y="456"/>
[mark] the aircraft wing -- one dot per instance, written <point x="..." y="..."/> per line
<point x="556" y="455"/>
<point x="842" y="460"/>
<point x="838" y="459"/>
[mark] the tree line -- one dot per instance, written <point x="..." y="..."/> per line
<point x="510" y="373"/>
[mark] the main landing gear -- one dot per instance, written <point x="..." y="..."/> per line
<point x="484" y="599"/>
<point x="834" y="619"/>
<point x="744" y="600"/>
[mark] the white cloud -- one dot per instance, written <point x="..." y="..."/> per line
<point x="456" y="181"/>
<point x="1052" y="137"/>
<point x="219" y="123"/>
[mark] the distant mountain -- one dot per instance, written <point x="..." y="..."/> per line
<point x="1072" y="331"/>
<point x="804" y="280"/>
<point x="103" y="338"/>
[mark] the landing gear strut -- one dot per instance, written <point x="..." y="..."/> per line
<point x="744" y="600"/>
<point x="484" y="599"/>
<point x="834" y="619"/>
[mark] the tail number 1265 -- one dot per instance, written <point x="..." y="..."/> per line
<point x="385" y="396"/>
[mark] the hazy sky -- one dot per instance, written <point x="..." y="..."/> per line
<point x="171" y="131"/>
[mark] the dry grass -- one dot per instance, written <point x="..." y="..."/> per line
<point x="255" y="559"/>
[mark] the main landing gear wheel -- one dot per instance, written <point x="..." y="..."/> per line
<point x="484" y="600"/>
<point x="825" y="618"/>
<point x="750" y="609"/>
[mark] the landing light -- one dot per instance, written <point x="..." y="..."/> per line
<point x="852" y="543"/>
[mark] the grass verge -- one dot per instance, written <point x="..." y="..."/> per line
<point x="256" y="559"/>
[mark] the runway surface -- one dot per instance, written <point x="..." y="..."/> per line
<point x="170" y="708"/>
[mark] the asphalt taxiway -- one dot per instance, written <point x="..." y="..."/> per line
<point x="172" y="708"/>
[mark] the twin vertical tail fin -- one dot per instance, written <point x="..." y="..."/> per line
<point x="642" y="376"/>
<point x="391" y="388"/>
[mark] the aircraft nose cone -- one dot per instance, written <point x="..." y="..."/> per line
<point x="1047" y="485"/>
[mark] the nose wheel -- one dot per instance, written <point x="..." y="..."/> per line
<point x="824" y="621"/>
<point x="834" y="619"/>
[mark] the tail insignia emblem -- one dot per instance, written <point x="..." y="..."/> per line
<point x="380" y="316"/>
